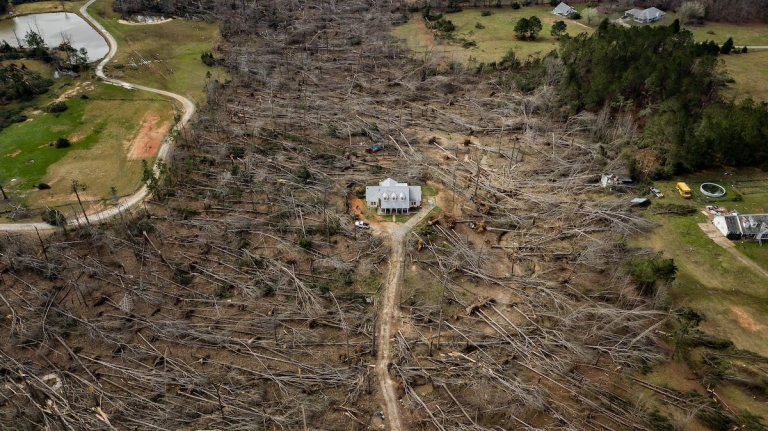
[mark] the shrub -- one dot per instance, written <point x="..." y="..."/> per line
<point x="554" y="3"/>
<point x="444" y="25"/>
<point x="56" y="107"/>
<point x="486" y="13"/>
<point x="515" y="5"/>
<point x="304" y="241"/>
<point x="209" y="60"/>
<point x="84" y="96"/>
<point x="62" y="143"/>
<point x="574" y="16"/>
<point x="479" y="26"/>
<point x="54" y="217"/>
<point x="303" y="174"/>
<point x="43" y="186"/>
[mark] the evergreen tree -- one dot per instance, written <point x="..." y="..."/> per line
<point x="727" y="46"/>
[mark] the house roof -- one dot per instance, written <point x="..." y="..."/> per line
<point x="753" y="224"/>
<point x="632" y="12"/>
<point x="392" y="194"/>
<point x="732" y="224"/>
<point x="562" y="9"/>
<point x="650" y="13"/>
<point x="389" y="182"/>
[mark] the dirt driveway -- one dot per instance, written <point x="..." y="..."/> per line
<point x="389" y="316"/>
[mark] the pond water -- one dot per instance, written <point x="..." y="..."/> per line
<point x="52" y="26"/>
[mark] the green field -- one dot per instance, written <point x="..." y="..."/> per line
<point x="493" y="41"/>
<point x="105" y="126"/>
<point x="731" y="296"/>
<point x="171" y="51"/>
<point x="710" y="280"/>
<point x="750" y="71"/>
<point x="100" y="129"/>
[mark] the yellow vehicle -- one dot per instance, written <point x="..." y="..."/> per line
<point x="684" y="190"/>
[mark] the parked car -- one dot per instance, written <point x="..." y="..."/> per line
<point x="362" y="225"/>
<point x="656" y="192"/>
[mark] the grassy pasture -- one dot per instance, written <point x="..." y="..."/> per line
<point x="750" y="71"/>
<point x="102" y="127"/>
<point x="494" y="40"/>
<point x="173" y="50"/>
<point x="710" y="280"/>
<point x="99" y="129"/>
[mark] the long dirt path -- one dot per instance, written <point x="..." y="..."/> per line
<point x="388" y="319"/>
<point x="188" y="110"/>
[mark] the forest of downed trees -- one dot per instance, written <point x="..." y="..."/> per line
<point x="240" y="296"/>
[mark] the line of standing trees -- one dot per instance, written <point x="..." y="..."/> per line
<point x="673" y="82"/>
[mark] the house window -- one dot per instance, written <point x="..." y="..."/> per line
<point x="384" y="197"/>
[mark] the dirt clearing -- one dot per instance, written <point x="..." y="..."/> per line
<point x="745" y="321"/>
<point x="149" y="138"/>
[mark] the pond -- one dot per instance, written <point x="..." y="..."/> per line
<point x="51" y="26"/>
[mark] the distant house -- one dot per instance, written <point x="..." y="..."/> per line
<point x="613" y="180"/>
<point x="644" y="16"/>
<point x="391" y="197"/>
<point x="563" y="10"/>
<point x="737" y="226"/>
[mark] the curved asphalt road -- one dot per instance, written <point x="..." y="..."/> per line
<point x="130" y="201"/>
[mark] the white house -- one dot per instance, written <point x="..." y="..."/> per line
<point x="645" y="16"/>
<point x="391" y="197"/>
<point x="563" y="10"/>
<point x="737" y="226"/>
<point x="728" y="225"/>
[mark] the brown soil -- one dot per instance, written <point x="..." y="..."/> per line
<point x="745" y="321"/>
<point x="148" y="140"/>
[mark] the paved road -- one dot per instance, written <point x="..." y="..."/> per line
<point x="128" y="202"/>
<point x="389" y="317"/>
